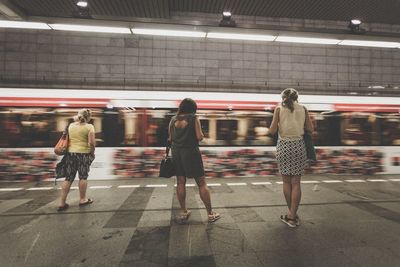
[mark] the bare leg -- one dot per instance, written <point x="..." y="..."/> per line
<point x="181" y="192"/>
<point x="82" y="190"/>
<point x="204" y="194"/>
<point x="287" y="189"/>
<point x="295" y="196"/>
<point x="66" y="185"/>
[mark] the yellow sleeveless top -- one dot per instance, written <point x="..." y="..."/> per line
<point x="78" y="137"/>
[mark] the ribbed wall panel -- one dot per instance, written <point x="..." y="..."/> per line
<point x="382" y="11"/>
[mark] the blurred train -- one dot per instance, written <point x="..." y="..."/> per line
<point x="35" y="118"/>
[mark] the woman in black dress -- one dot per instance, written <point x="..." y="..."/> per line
<point x="184" y="134"/>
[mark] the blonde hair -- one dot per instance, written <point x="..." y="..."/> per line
<point x="83" y="115"/>
<point x="289" y="96"/>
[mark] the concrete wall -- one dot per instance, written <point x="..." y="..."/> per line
<point x="76" y="60"/>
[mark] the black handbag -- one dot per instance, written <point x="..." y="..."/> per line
<point x="167" y="168"/>
<point x="311" y="155"/>
<point x="61" y="169"/>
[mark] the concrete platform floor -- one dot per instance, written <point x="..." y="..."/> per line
<point x="346" y="221"/>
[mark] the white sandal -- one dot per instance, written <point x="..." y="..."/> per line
<point x="184" y="216"/>
<point x="213" y="217"/>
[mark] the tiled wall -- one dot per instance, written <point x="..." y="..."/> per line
<point x="63" y="59"/>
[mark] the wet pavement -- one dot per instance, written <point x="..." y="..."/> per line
<point x="345" y="221"/>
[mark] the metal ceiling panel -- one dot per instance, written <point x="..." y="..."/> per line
<point x="382" y="11"/>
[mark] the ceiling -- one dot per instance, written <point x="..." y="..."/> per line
<point x="370" y="11"/>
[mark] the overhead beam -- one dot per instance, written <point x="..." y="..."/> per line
<point x="10" y="11"/>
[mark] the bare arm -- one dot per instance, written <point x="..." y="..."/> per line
<point x="92" y="141"/>
<point x="309" y="126"/>
<point x="169" y="132"/>
<point x="274" y="124"/>
<point x="199" y="132"/>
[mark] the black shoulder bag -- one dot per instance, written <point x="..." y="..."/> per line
<point x="167" y="168"/>
<point x="308" y="141"/>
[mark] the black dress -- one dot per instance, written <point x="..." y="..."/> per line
<point x="185" y="148"/>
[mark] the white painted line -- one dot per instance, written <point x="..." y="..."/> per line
<point x="356" y="181"/>
<point x="395" y="180"/>
<point x="261" y="183"/>
<point x="234" y="184"/>
<point x="187" y="185"/>
<point x="156" y="185"/>
<point x="332" y="181"/>
<point x="39" y="188"/>
<point x="10" y="189"/>
<point x="129" y="186"/>
<point x="279" y="182"/>
<point x="214" y="184"/>
<point x="71" y="188"/>
<point x="100" y="186"/>
<point x="377" y="180"/>
<point x="310" y="182"/>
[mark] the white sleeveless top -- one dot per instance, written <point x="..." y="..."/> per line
<point x="291" y="124"/>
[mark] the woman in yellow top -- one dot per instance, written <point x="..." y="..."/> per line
<point x="79" y="157"/>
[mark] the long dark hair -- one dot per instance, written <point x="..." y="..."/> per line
<point x="187" y="106"/>
<point x="289" y="96"/>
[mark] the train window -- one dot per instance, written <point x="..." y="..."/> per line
<point x="226" y="132"/>
<point x="257" y="129"/>
<point x="326" y="128"/>
<point x="359" y="129"/>
<point x="205" y="127"/>
<point x="390" y="129"/>
<point x="26" y="127"/>
<point x="10" y="129"/>
<point x="157" y="127"/>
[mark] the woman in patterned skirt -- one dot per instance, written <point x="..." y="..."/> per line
<point x="291" y="120"/>
<point x="79" y="157"/>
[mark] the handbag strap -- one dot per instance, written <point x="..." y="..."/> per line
<point x="306" y="118"/>
<point x="66" y="129"/>
<point x="167" y="148"/>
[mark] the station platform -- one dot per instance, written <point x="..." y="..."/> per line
<point x="345" y="221"/>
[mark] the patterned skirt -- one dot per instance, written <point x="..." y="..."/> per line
<point x="291" y="156"/>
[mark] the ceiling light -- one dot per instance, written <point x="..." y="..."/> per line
<point x="176" y="33"/>
<point x="376" y="87"/>
<point x="370" y="43"/>
<point x="227" y="20"/>
<point x="355" y="21"/>
<point x="354" y="26"/>
<point x="306" y="40"/>
<point x="24" y="25"/>
<point x="84" y="28"/>
<point x="82" y="3"/>
<point x="241" y="36"/>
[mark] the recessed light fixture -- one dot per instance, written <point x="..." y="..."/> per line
<point x="227" y="14"/>
<point x="227" y="20"/>
<point x="354" y="26"/>
<point x="82" y="3"/>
